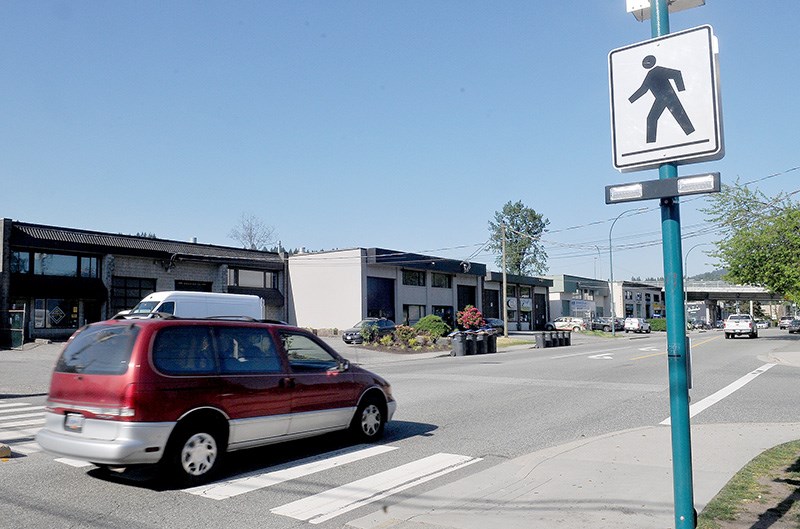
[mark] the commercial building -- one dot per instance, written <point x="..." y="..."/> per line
<point x="338" y="288"/>
<point x="54" y="280"/>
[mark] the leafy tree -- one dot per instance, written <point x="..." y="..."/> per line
<point x="760" y="242"/>
<point x="525" y="254"/>
<point x="252" y="233"/>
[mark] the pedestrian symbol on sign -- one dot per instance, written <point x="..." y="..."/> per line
<point x="658" y="82"/>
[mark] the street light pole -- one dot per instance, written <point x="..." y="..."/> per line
<point x="611" y="270"/>
<point x="686" y="273"/>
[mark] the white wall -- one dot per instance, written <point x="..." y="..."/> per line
<point x="327" y="289"/>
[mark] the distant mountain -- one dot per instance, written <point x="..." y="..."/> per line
<point x="715" y="275"/>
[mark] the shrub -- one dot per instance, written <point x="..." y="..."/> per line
<point x="386" y="340"/>
<point x="369" y="333"/>
<point x="405" y="334"/>
<point x="658" y="324"/>
<point x="433" y="326"/>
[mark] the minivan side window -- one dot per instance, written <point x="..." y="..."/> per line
<point x="306" y="355"/>
<point x="184" y="351"/>
<point x="247" y="350"/>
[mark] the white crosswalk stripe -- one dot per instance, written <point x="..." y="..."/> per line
<point x="337" y="501"/>
<point x="19" y="422"/>
<point x="297" y="469"/>
<point x="334" y="502"/>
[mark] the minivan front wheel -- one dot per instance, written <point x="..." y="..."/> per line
<point x="369" y="421"/>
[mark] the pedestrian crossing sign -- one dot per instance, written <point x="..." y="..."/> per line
<point x="665" y="103"/>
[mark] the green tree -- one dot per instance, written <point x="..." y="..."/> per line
<point x="760" y="243"/>
<point x="524" y="252"/>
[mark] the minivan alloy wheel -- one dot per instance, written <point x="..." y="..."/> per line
<point x="371" y="420"/>
<point x="199" y="453"/>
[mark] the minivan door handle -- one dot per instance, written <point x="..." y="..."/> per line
<point x="286" y="382"/>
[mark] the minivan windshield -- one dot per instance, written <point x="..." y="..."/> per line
<point x="99" y="350"/>
<point x="144" y="307"/>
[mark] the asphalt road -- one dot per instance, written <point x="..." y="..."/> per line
<point x="479" y="411"/>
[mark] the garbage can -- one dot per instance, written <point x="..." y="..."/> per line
<point x="459" y="342"/>
<point x="470" y="342"/>
<point x="480" y="343"/>
<point x="491" y="343"/>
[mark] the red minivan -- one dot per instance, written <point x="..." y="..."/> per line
<point x="181" y="393"/>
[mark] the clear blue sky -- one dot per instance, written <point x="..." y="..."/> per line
<point x="403" y="125"/>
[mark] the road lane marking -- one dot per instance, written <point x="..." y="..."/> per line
<point x="16" y="424"/>
<point x="334" y="502"/>
<point x="697" y="407"/>
<point x="73" y="462"/>
<point x="259" y="480"/>
<point x="601" y="356"/>
<point x="20" y="408"/>
<point x="13" y="404"/>
<point x="660" y="353"/>
<point x="22" y="416"/>
<point x="585" y="353"/>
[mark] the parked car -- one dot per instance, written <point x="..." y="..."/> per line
<point x="495" y="323"/>
<point x="182" y="393"/>
<point x="762" y="324"/>
<point x="794" y="326"/>
<point x="605" y="324"/>
<point x="784" y="322"/>
<point x="382" y="328"/>
<point x="637" y="325"/>
<point x="568" y="323"/>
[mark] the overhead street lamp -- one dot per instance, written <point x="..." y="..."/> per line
<point x="686" y="273"/>
<point x="611" y="269"/>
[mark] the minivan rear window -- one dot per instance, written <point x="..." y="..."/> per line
<point x="99" y="350"/>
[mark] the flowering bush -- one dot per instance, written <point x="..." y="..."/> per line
<point x="470" y="318"/>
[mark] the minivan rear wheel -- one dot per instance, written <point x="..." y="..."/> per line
<point x="194" y="456"/>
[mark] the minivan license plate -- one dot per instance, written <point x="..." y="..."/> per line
<point x="74" y="422"/>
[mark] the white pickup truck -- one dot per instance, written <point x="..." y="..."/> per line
<point x="737" y="324"/>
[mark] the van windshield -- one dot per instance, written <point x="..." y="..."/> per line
<point x="144" y="307"/>
<point x="99" y="350"/>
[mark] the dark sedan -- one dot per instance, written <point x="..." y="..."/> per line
<point x="604" y="324"/>
<point x="382" y="327"/>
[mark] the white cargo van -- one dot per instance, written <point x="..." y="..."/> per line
<point x="198" y="305"/>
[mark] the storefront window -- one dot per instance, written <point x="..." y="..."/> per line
<point x="90" y="267"/>
<point x="413" y="313"/>
<point x="56" y="314"/>
<point x="511" y="291"/>
<point x="53" y="264"/>
<point x="20" y="262"/>
<point x="414" y="278"/>
<point x="524" y="292"/>
<point x="441" y="280"/>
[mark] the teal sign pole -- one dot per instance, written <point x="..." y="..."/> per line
<point x="676" y="326"/>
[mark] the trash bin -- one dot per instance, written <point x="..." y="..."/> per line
<point x="459" y="342"/>
<point x="470" y="342"/>
<point x="491" y="343"/>
<point x="480" y="343"/>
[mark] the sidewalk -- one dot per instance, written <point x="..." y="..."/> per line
<point x="623" y="479"/>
